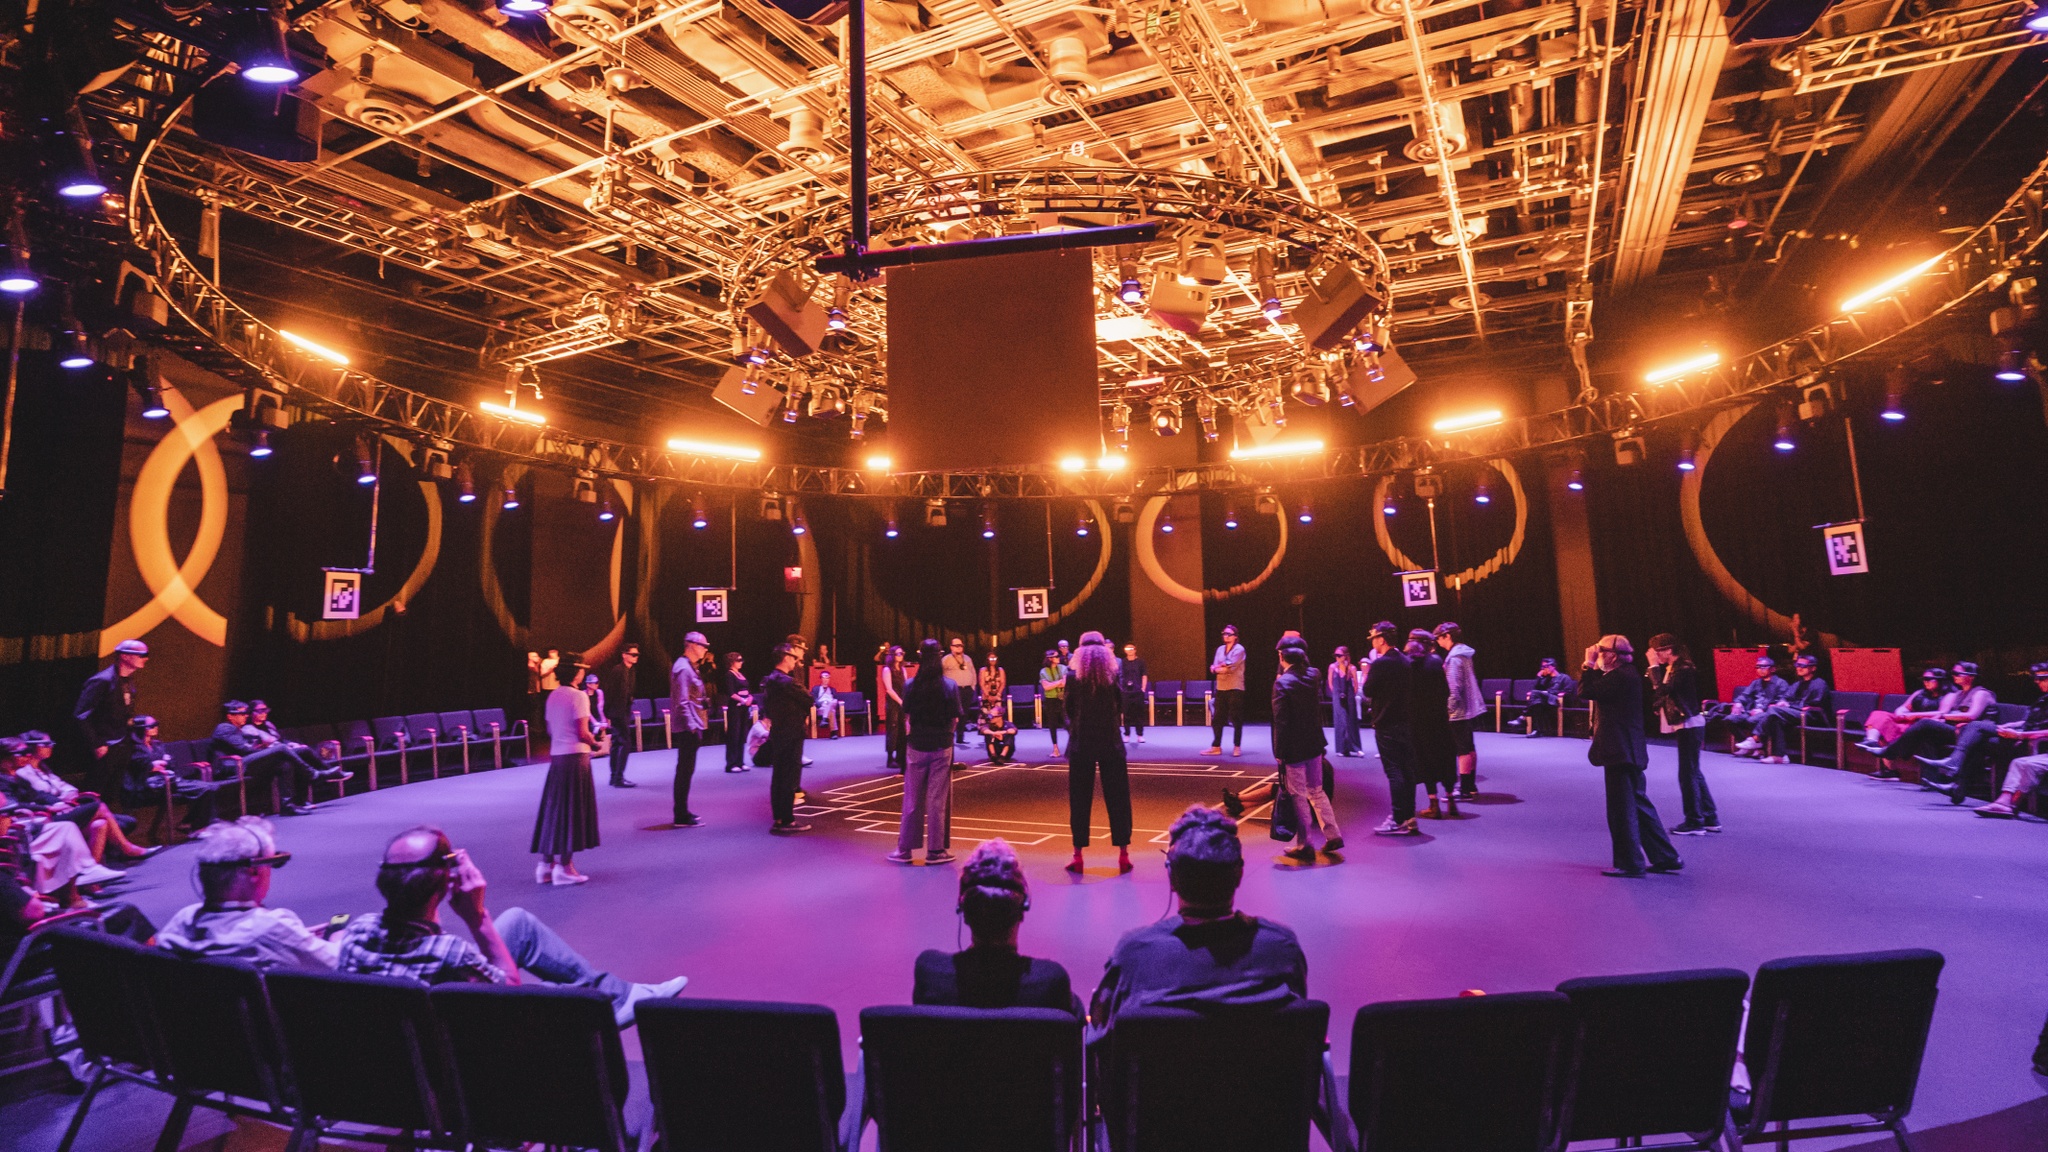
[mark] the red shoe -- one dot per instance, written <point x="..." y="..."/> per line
<point x="1075" y="865"/>
<point x="1123" y="861"/>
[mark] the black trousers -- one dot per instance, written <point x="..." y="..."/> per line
<point x="786" y="757"/>
<point x="1397" y="756"/>
<point x="687" y="742"/>
<point x="1229" y="709"/>
<point x="1054" y="708"/>
<point x="1692" y="785"/>
<point x="1922" y="738"/>
<point x="624" y="731"/>
<point x="1082" y="765"/>
<point x="737" y="723"/>
<point x="1134" y="712"/>
<point x="1632" y="821"/>
<point x="278" y="762"/>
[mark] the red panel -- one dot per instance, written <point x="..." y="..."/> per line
<point x="840" y="676"/>
<point x="1733" y="667"/>
<point x="1868" y="670"/>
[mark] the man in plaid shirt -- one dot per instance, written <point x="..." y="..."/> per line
<point x="421" y="869"/>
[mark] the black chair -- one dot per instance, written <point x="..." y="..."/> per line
<point x="103" y="997"/>
<point x="216" y="1041"/>
<point x="1164" y="697"/>
<point x="423" y="730"/>
<point x="490" y="722"/>
<point x="1404" y="1053"/>
<point x="1836" y="1036"/>
<point x="1655" y="1055"/>
<point x="358" y="746"/>
<point x="853" y="704"/>
<point x="365" y="1051"/>
<point x="25" y="975"/>
<point x="1494" y="694"/>
<point x="1024" y="697"/>
<point x="1199" y="695"/>
<point x="536" y="1065"/>
<point x="997" y="1080"/>
<point x="643" y="715"/>
<point x="728" y="1074"/>
<point x="393" y="739"/>
<point x="660" y="717"/>
<point x="1166" y="1070"/>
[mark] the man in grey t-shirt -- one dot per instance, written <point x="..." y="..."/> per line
<point x="1227" y="666"/>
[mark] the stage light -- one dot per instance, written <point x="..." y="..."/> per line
<point x="1700" y="363"/>
<point x="798" y="526"/>
<point x="1275" y="448"/>
<point x="1890" y="286"/>
<point x="835" y="316"/>
<point x="524" y="7"/>
<point x="1483" y="494"/>
<point x="1072" y="463"/>
<point x="507" y="412"/>
<point x="1120" y="424"/>
<point x="1110" y="462"/>
<point x="1468" y="421"/>
<point x="1130" y="291"/>
<point x="584" y="489"/>
<point x="1166" y="523"/>
<point x="1165" y="417"/>
<point x="935" y="513"/>
<point x="1391" y="506"/>
<point x="771" y="506"/>
<point x="18" y="278"/>
<point x="859" y="408"/>
<point x="1576" y="481"/>
<point x="510" y="500"/>
<point x="2038" y="22"/>
<point x="706" y="448"/>
<point x="366" y="463"/>
<point x="320" y="350"/>
<point x="988" y="521"/>
<point x="698" y="518"/>
<point x="80" y="354"/>
<point x="1205" y="415"/>
<point x="1305" y="514"/>
<point x="1265" y="503"/>
<point x="1787" y="438"/>
<point x="890" y="528"/>
<point x="153" y="407"/>
<point x="1894" y="402"/>
<point x="1230" y="515"/>
<point x="78" y="177"/>
<point x="879" y="463"/>
<point x="750" y="381"/>
<point x="2012" y="366"/>
<point x="757" y="355"/>
<point x="605" y="512"/>
<point x="260" y="446"/>
<point x="262" y="52"/>
<point x="1124" y="512"/>
<point x="1686" y="460"/>
<point x="465" y="484"/>
<point x="1081" y="525"/>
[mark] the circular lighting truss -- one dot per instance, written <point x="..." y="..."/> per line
<point x="1202" y="323"/>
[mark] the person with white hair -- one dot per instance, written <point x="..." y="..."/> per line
<point x="1095" y="741"/>
<point x="1611" y="681"/>
<point x="231" y="922"/>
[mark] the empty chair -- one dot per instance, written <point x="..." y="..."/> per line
<point x="358" y="746"/>
<point x="1167" y="1070"/>
<point x="1164" y="703"/>
<point x="490" y="722"/>
<point x="1837" y="1036"/>
<point x="1406" y="1053"/>
<point x="1655" y="1054"/>
<point x="852" y="704"/>
<point x="458" y="731"/>
<point x="215" y="1039"/>
<point x="744" y="1074"/>
<point x="1001" y="1080"/>
<point x="96" y="973"/>
<point x="423" y="730"/>
<point x="1023" y="705"/>
<point x="25" y="976"/>
<point x="643" y="715"/>
<point x="392" y="739"/>
<point x="664" y="708"/>
<point x="365" y="1050"/>
<point x="1496" y="695"/>
<point x="536" y="1065"/>
<point x="1196" y="696"/>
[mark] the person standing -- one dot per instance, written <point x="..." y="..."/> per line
<point x="1052" y="691"/>
<point x="958" y="667"/>
<point x="1387" y="679"/>
<point x="1094" y="716"/>
<point x="895" y="682"/>
<point x="1429" y="724"/>
<point x="994" y="683"/>
<point x="1133" y="682"/>
<point x="1227" y="666"/>
<point x="105" y="705"/>
<point x="1468" y="705"/>
<point x="687" y="721"/>
<point x="933" y="706"/>
<point x="567" y="821"/>
<point x="738" y="703"/>
<point x="784" y="706"/>
<point x="1298" y="747"/>
<point x="1675" y="698"/>
<point x="619" y="682"/>
<point x="1619" y="749"/>
<point x="1343" y="682"/>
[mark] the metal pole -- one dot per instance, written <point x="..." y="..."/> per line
<point x="1855" y="473"/>
<point x="857" y="105"/>
<point x="376" y="498"/>
<point x="13" y="379"/>
<point x="1434" y="563"/>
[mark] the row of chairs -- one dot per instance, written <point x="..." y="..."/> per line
<point x="1834" y="1039"/>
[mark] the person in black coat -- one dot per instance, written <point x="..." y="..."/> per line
<point x="106" y="703"/>
<point x="1429" y="723"/>
<point x="620" y="679"/>
<point x="1611" y="683"/>
<point x="736" y="700"/>
<point x="991" y="973"/>
<point x="784" y="708"/>
<point x="1298" y="748"/>
<point x="1095" y="741"/>
<point x="1675" y="698"/>
<point x="1386" y="693"/>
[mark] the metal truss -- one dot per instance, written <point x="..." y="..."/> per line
<point x="1944" y="37"/>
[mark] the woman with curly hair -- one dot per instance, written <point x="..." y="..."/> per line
<point x="1095" y="740"/>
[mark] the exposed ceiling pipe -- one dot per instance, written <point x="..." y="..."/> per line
<point x="1577" y="336"/>
<point x="1684" y="65"/>
<point x="1446" y="177"/>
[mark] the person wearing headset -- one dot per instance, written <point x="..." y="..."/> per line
<point x="991" y="973"/>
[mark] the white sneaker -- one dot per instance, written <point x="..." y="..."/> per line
<point x="542" y="873"/>
<point x="1776" y="760"/>
<point x="100" y="874"/>
<point x="1141" y="738"/>
<point x="1750" y="744"/>
<point x="638" y="992"/>
<point x="564" y="876"/>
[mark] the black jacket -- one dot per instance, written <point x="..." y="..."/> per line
<point x="1297" y="722"/>
<point x="1812" y="695"/>
<point x="784" y="704"/>
<point x="932" y="706"/>
<point x="230" y="740"/>
<point x="1618" y="721"/>
<point x="105" y="705"/>
<point x="1429" y="718"/>
<point x="1675" y="691"/>
<point x="1386" y="691"/>
<point x="617" y="680"/>
<point x="1095" y="718"/>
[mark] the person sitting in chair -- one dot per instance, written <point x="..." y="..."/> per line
<point x="25" y="783"/>
<point x="1807" y="701"/>
<point x="1207" y="956"/>
<point x="260" y="726"/>
<point x="231" y="923"/>
<point x="998" y="735"/>
<point x="2025" y="773"/>
<point x="1752" y="704"/>
<point x="825" y="707"/>
<point x="422" y="869"/>
<point x="1964" y="704"/>
<point x="991" y="973"/>
<point x="1539" y="707"/>
<point x="1945" y="774"/>
<point x="147" y="771"/>
<point x="263" y="760"/>
<point x="1881" y="728"/>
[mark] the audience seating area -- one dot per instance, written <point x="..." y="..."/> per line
<point x="1832" y="1045"/>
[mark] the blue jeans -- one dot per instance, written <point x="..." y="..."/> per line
<point x="536" y="949"/>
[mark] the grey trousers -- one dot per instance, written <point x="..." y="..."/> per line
<point x="927" y="802"/>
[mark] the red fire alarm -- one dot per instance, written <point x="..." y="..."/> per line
<point x="793" y="578"/>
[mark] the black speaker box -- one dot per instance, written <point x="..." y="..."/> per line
<point x="1334" y="307"/>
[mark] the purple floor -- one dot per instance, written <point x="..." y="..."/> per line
<point x="1507" y="898"/>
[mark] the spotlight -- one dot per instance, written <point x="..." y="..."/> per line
<point x="2012" y="366"/>
<point x="1110" y="462"/>
<point x="433" y="461"/>
<point x="835" y="316"/>
<point x="80" y="354"/>
<point x="771" y="507"/>
<point x="78" y="178"/>
<point x="861" y="407"/>
<point x="605" y="512"/>
<point x="1787" y="438"/>
<point x="2038" y="22"/>
<point x="1700" y="363"/>
<point x="935" y="513"/>
<point x="1468" y="421"/>
<point x="1230" y="515"/>
<point x="1686" y="460"/>
<point x="262" y="52"/>
<point x="524" y="7"/>
<point x="1890" y="286"/>
<point x="1305" y="514"/>
<point x="1120" y="423"/>
<point x="260" y="446"/>
<point x="798" y="526"/>
<point x="890" y="528"/>
<point x="510" y="500"/>
<point x="153" y="407"/>
<point x="1483" y="494"/>
<point x="1894" y="402"/>
<point x="1275" y="448"/>
<point x="1576" y="481"/>
<point x="1391" y="506"/>
<point x="1072" y="463"/>
<point x="698" y="519"/>
<point x="1081" y="525"/>
<point x="1265" y="503"/>
<point x="333" y="357"/>
<point x="1130" y="291"/>
<point x="1205" y="415"/>
<point x="584" y="489"/>
<point x="757" y="355"/>
<point x="1271" y="307"/>
<point x="366" y="464"/>
<point x="988" y="521"/>
<point x="18" y="278"/>
<point x="1165" y="417"/>
<point x="1124" y="512"/>
<point x="1166" y="523"/>
<point x="465" y="484"/>
<point x="880" y="462"/>
<point x="1269" y="295"/>
<point x="706" y="448"/>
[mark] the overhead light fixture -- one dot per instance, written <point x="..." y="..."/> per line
<point x="1110" y="462"/>
<point x="988" y="521"/>
<point x="605" y="512"/>
<point x="1165" y="417"/>
<point x="1894" y="401"/>
<point x="935" y="513"/>
<point x="259" y="445"/>
<point x="1166" y="522"/>
<point x="698" y="518"/>
<point x="366" y="462"/>
<point x="798" y="526"/>
<point x="1269" y="293"/>
<point x="1124" y="512"/>
<point x="1787" y="437"/>
<point x="1483" y="493"/>
<point x="2038" y="22"/>
<point x="1081" y="525"/>
<point x="524" y="7"/>
<point x="153" y="406"/>
<point x="1120" y="424"/>
<point x="78" y="177"/>
<point x="2012" y="366"/>
<point x="1391" y="505"/>
<point x="79" y="354"/>
<point x="1887" y="287"/>
<point x="18" y="278"/>
<point x="835" y="316"/>
<point x="879" y="463"/>
<point x="1275" y="448"/>
<point x="1129" y="289"/>
<point x="1305" y="514"/>
<point x="1265" y="503"/>
<point x="1700" y="363"/>
<point x="1205" y="415"/>
<point x="890" y="528"/>
<point x="317" y="349"/>
<point x="510" y="500"/>
<point x="771" y="507"/>
<point x="264" y="56"/>
<point x="584" y="489"/>
<point x="465" y="484"/>
<point x="1073" y="463"/>
<point x="1230" y="514"/>
<point x="508" y="412"/>
<point x="1688" y="459"/>
<point x="1576" y="480"/>
<point x="1468" y="421"/>
<point x="707" y="448"/>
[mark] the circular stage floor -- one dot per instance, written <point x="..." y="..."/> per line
<point x="1508" y="898"/>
